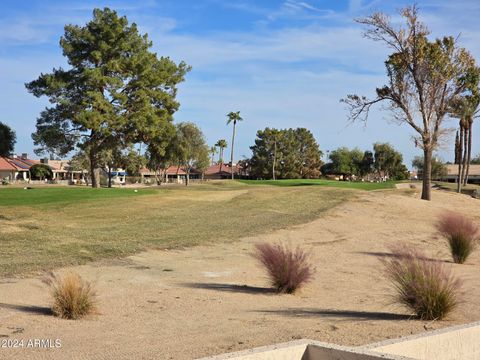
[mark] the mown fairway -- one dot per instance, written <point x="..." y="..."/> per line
<point x="43" y="228"/>
<point x="321" y="182"/>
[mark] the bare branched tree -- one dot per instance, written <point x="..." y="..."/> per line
<point x="423" y="77"/>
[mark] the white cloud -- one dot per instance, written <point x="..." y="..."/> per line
<point x="276" y="76"/>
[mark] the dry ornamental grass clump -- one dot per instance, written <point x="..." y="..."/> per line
<point x="287" y="269"/>
<point x="425" y="286"/>
<point x="461" y="233"/>
<point x="72" y="296"/>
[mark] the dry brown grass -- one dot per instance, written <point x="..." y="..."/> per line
<point x="77" y="231"/>
<point x="73" y="297"/>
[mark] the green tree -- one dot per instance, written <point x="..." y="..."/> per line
<point x="115" y="90"/>
<point x="346" y="162"/>
<point x="41" y="172"/>
<point x="7" y="140"/>
<point x="233" y="118"/>
<point x="388" y="162"/>
<point x="423" y="78"/>
<point x="81" y="162"/>
<point x="192" y="150"/>
<point x="263" y="154"/>
<point x="366" y="165"/>
<point x="286" y="153"/>
<point x="307" y="154"/>
<point x="439" y="169"/>
<point x="475" y="160"/>
<point x="161" y="153"/>
<point x="212" y="151"/>
<point x="133" y="162"/>
<point x="465" y="108"/>
<point x="221" y="144"/>
<point x="203" y="160"/>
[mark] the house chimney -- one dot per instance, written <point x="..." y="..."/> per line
<point x="44" y="161"/>
<point x="24" y="156"/>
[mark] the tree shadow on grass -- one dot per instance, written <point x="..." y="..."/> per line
<point x="40" y="310"/>
<point x="338" y="314"/>
<point x="231" y="288"/>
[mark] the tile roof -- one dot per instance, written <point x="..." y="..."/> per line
<point x="6" y="165"/>
<point x="58" y="165"/>
<point x="172" y="170"/>
<point x="474" y="170"/>
<point x="215" y="169"/>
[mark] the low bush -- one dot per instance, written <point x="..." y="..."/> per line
<point x="461" y="233"/>
<point x="72" y="296"/>
<point x="425" y="286"/>
<point x="287" y="269"/>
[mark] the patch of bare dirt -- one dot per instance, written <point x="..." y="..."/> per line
<point x="185" y="304"/>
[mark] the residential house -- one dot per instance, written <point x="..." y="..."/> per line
<point x="174" y="174"/>
<point x="17" y="168"/>
<point x="63" y="171"/>
<point x="7" y="169"/>
<point x="452" y="173"/>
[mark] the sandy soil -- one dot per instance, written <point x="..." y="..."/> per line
<point x="185" y="304"/>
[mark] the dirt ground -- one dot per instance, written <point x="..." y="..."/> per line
<point x="206" y="300"/>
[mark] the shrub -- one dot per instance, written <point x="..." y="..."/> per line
<point x="73" y="297"/>
<point x="288" y="270"/>
<point x="461" y="233"/>
<point x="423" y="285"/>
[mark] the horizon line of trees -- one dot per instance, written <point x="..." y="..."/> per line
<point x="117" y="93"/>
<point x="383" y="163"/>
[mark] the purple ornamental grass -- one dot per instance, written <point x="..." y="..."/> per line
<point x="461" y="233"/>
<point x="287" y="269"/>
<point x="425" y="286"/>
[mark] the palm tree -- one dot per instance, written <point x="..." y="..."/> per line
<point x="233" y="117"/>
<point x="465" y="109"/>
<point x="213" y="151"/>
<point x="473" y="108"/>
<point x="221" y="144"/>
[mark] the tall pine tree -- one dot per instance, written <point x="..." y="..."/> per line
<point x="115" y="90"/>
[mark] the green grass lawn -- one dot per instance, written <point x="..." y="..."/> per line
<point x="320" y="182"/>
<point x="48" y="227"/>
<point x="41" y="195"/>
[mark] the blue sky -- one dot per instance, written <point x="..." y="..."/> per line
<point x="281" y="63"/>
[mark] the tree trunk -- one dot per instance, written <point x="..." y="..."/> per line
<point x="109" y="176"/>
<point x="469" y="152"/>
<point x="274" y="159"/>
<point x="231" y="152"/>
<point x="464" y="159"/>
<point x="93" y="171"/>
<point x="460" y="162"/>
<point x="187" y="178"/>
<point x="427" y="172"/>
<point x="220" y="159"/>
<point x="457" y="146"/>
